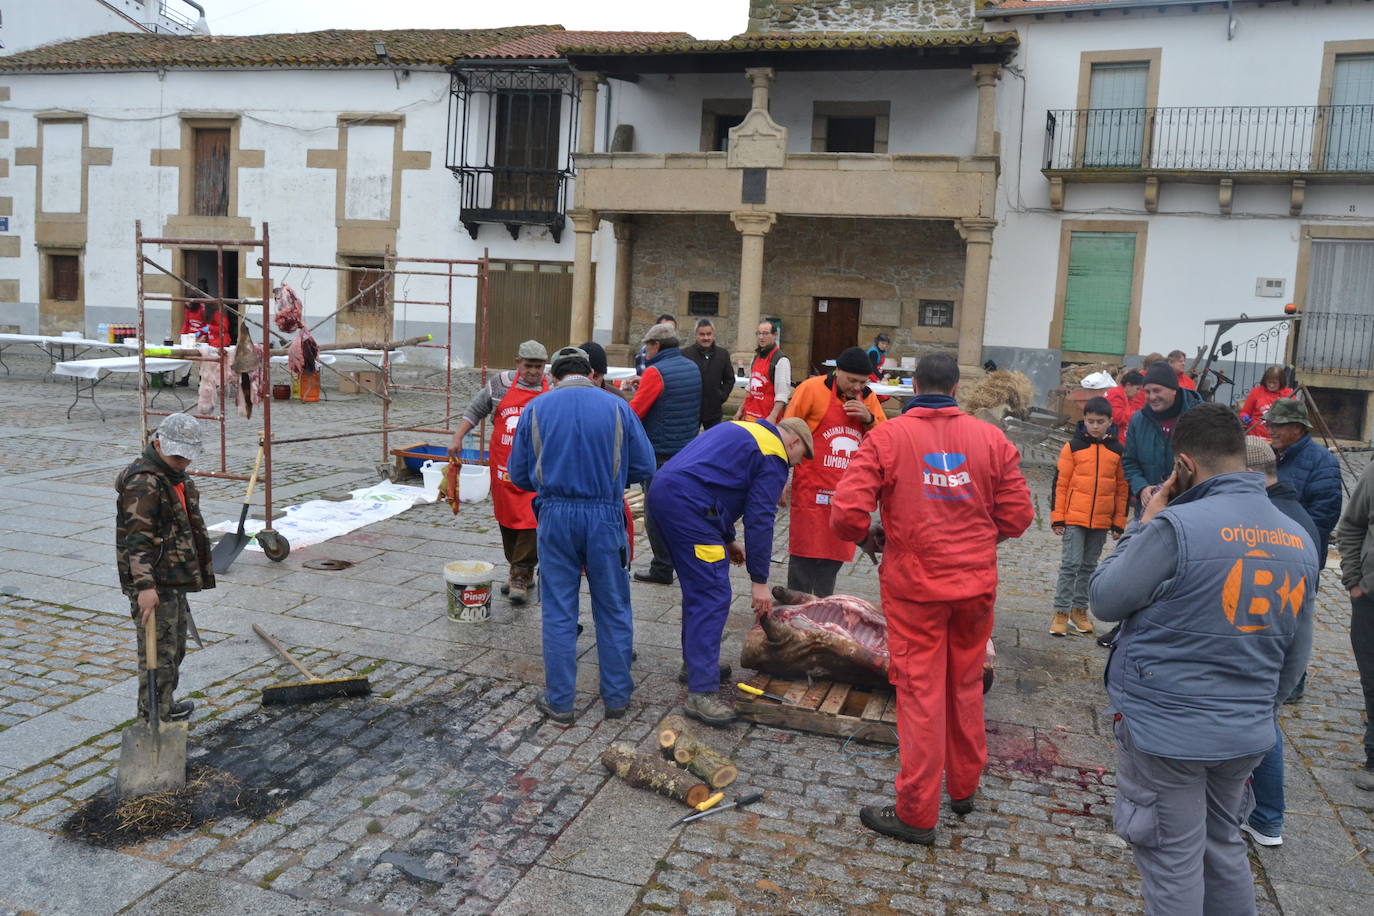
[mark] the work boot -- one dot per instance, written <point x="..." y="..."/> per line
<point x="505" y="586"/>
<point x="181" y="709"/>
<point x="707" y="707"/>
<point x="1080" y="621"/>
<point x="961" y="806"/>
<point x="541" y="703"/>
<point x="650" y="577"/>
<point x="1059" y="626"/>
<point x="886" y="822"/>
<point x="519" y="590"/>
<point x="724" y="673"/>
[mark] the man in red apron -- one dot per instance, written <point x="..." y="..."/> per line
<point x="839" y="409"/>
<point x="770" y="379"/>
<point x="504" y="398"/>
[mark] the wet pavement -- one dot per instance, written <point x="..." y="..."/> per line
<point x="446" y="792"/>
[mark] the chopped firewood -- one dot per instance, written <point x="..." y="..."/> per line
<point x="647" y="772"/>
<point x="690" y="751"/>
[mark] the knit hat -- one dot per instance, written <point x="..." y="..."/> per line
<point x="1162" y="374"/>
<point x="532" y="349"/>
<point x="854" y="360"/>
<point x="1259" y="455"/>
<point x="797" y="427"/>
<point x="1287" y="410"/>
<point x="596" y="355"/>
<point x="180" y="434"/>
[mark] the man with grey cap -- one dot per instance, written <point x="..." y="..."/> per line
<point x="504" y="398"/>
<point x="162" y="549"/>
<point x="668" y="403"/>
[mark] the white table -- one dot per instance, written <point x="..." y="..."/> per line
<point x="895" y="391"/>
<point x="89" y="373"/>
<point x="619" y="373"/>
<point x="46" y="343"/>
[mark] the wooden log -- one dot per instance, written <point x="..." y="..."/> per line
<point x="669" y="729"/>
<point x="646" y="772"/>
<point x="675" y="738"/>
<point x="712" y="766"/>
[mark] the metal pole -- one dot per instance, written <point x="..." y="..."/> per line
<point x="266" y="368"/>
<point x="142" y="390"/>
<point x="223" y="361"/>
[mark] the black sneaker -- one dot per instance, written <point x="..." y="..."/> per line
<point x="181" y="709"/>
<point x="886" y="822"/>
<point x="724" y="673"/>
<point x="961" y="805"/>
<point x="1108" y="638"/>
<point x="562" y="718"/>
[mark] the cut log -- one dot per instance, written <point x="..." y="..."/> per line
<point x="714" y="767"/>
<point x="669" y="729"/>
<point x="647" y="772"/>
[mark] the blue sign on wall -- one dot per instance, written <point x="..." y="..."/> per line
<point x="4" y="224"/>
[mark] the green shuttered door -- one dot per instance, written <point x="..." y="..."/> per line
<point x="1097" y="297"/>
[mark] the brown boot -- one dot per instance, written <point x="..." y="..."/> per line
<point x="1081" y="622"/>
<point x="519" y="589"/>
<point x="1059" y="626"/>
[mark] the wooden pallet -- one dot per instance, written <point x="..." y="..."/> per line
<point x="822" y="708"/>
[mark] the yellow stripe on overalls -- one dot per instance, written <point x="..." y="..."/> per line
<point x="709" y="553"/>
<point x="768" y="442"/>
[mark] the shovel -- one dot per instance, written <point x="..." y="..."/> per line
<point x="153" y="756"/>
<point x="231" y="545"/>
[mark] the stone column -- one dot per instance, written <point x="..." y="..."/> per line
<point x="584" y="226"/>
<point x="977" y="235"/>
<point x="586" y="126"/>
<point x="760" y="78"/>
<point x="618" y="351"/>
<point x="985" y="77"/>
<point x="753" y="226"/>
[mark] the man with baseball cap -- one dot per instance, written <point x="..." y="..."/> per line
<point x="577" y="448"/>
<point x="162" y="549"/>
<point x="504" y="398"/>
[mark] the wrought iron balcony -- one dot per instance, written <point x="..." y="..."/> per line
<point x="1291" y="140"/>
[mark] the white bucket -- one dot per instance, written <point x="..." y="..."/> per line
<point x="433" y="473"/>
<point x="474" y="483"/>
<point x="469" y="590"/>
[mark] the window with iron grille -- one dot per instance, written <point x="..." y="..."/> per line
<point x="936" y="313"/>
<point x="64" y="277"/>
<point x="703" y="303"/>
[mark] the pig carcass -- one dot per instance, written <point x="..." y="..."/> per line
<point x="839" y="638"/>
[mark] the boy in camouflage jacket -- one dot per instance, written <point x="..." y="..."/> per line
<point x="162" y="549"/>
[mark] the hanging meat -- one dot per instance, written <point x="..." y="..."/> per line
<point x="839" y="638"/>
<point x="289" y="316"/>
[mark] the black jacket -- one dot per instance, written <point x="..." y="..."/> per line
<point x="717" y="379"/>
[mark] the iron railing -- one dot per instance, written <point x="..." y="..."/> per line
<point x="1285" y="138"/>
<point x="1332" y="343"/>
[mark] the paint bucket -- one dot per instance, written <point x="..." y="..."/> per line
<point x="468" y="583"/>
<point x="433" y="473"/>
<point x="474" y="483"/>
<point x="310" y="387"/>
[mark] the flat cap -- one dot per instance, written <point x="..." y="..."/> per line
<point x="797" y="427"/>
<point x="532" y="349"/>
<point x="1259" y="455"/>
<point x="659" y="332"/>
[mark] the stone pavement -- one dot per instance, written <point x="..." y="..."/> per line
<point x="446" y="792"/>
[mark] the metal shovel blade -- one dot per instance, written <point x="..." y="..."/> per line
<point x="227" y="550"/>
<point x="152" y="758"/>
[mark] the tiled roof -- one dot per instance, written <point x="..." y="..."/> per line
<point x="548" y="44"/>
<point x="805" y="41"/>
<point x="330" y="48"/>
<point x="993" y="8"/>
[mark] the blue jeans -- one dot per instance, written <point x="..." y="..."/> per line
<point x="1267" y="784"/>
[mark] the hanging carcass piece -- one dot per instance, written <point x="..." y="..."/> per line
<point x="840" y="638"/>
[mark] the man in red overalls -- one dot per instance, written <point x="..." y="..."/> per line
<point x="770" y="379"/>
<point x="950" y="489"/>
<point x="839" y="409"/>
<point x="504" y="398"/>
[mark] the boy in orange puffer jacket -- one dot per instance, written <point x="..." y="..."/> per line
<point x="1090" y="498"/>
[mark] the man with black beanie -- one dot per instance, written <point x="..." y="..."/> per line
<point x="839" y="409"/>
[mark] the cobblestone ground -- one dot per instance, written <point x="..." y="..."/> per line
<point x="446" y="792"/>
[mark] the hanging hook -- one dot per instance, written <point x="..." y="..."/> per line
<point x="306" y="283"/>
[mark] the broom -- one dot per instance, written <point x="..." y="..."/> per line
<point x="314" y="689"/>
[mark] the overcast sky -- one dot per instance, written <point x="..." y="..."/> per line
<point x="702" y="18"/>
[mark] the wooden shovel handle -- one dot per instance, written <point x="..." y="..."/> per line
<point x="281" y="650"/>
<point x="252" y="481"/>
<point x="150" y="642"/>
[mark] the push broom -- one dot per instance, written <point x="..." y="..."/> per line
<point x="316" y="688"/>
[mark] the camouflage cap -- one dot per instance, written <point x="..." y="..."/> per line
<point x="180" y="434"/>
<point x="1287" y="410"/>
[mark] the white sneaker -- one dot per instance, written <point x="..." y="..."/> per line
<point x="1262" y="839"/>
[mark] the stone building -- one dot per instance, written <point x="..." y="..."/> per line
<point x="835" y="168"/>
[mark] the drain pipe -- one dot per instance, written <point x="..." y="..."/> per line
<point x="201" y="27"/>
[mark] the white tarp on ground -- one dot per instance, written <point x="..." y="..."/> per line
<point x="318" y="520"/>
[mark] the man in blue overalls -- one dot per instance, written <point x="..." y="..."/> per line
<point x="577" y="448"/>
<point x="734" y="469"/>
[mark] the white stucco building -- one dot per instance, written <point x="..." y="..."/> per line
<point x="1166" y="163"/>
<point x="26" y="24"/>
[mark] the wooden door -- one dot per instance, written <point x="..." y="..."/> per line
<point x="211" y="185"/>
<point x="834" y="327"/>
<point x="528" y="301"/>
<point x="368" y="318"/>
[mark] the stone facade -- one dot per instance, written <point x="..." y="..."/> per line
<point x="889" y="265"/>
<point x="860" y="15"/>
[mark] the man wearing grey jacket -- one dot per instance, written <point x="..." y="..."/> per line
<point x="1213" y="586"/>
<point x="1353" y="534"/>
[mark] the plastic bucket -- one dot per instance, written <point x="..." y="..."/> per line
<point x="433" y="473"/>
<point x="468" y="583"/>
<point x="310" y="387"/>
<point x="474" y="483"/>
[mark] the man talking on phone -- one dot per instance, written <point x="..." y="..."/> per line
<point x="1213" y="587"/>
